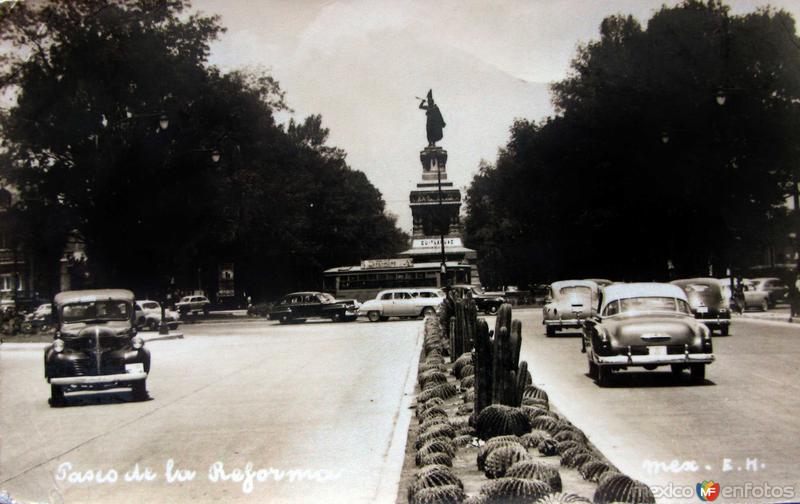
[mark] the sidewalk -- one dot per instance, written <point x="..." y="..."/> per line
<point x="775" y="315"/>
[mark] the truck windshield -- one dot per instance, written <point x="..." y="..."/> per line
<point x="95" y="310"/>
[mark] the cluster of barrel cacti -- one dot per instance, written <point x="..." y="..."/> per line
<point x="510" y="441"/>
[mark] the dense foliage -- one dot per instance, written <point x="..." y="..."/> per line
<point x="675" y="142"/>
<point x="84" y="144"/>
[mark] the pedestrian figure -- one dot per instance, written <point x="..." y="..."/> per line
<point x="738" y="295"/>
<point x="794" y="297"/>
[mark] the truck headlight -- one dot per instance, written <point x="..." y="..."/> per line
<point x="137" y="342"/>
<point x="58" y="345"/>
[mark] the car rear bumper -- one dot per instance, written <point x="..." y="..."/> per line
<point x="93" y="380"/>
<point x="653" y="360"/>
<point x="576" y="322"/>
<point x="716" y="322"/>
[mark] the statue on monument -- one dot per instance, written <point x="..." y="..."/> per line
<point x="435" y="121"/>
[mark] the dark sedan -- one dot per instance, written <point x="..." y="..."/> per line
<point x="299" y="306"/>
<point x="707" y="302"/>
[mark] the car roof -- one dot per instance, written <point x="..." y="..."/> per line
<point x="698" y="280"/>
<point x="764" y="279"/>
<point x="384" y="291"/>
<point x="79" y="296"/>
<point x="574" y="283"/>
<point x="146" y="301"/>
<point x="641" y="289"/>
<point x="303" y="293"/>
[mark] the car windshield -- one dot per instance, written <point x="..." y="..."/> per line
<point x="647" y="304"/>
<point x="186" y="299"/>
<point x="95" y="310"/>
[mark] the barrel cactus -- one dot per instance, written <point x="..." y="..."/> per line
<point x="492" y="444"/>
<point x="469" y="395"/>
<point x="465" y="409"/>
<point x="432" y="366"/>
<point x="563" y="446"/>
<point x="432" y="376"/>
<point x="448" y="494"/>
<point x="501" y="459"/>
<point x="500" y="420"/>
<point x="534" y="392"/>
<point x="539" y="403"/>
<point x="467" y="370"/>
<point x="433" y="411"/>
<point x="593" y="470"/>
<point x="568" y="456"/>
<point x="467" y="382"/>
<point x="459" y="364"/>
<point x="619" y="488"/>
<point x="432" y="421"/>
<point x="433" y="476"/>
<point x="436" y="432"/>
<point x="422" y="406"/>
<point x="534" y="437"/>
<point x="563" y="498"/>
<point x="547" y="423"/>
<point x="531" y="469"/>
<point x="570" y="434"/>
<point x="462" y="440"/>
<point x="514" y="490"/>
<point x="535" y="411"/>
<point x="436" y="446"/>
<point x="445" y="391"/>
<point x="476" y="499"/>
<point x="437" y="458"/>
<point x="547" y="447"/>
<point x="579" y="459"/>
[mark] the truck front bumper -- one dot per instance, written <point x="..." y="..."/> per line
<point x="94" y="380"/>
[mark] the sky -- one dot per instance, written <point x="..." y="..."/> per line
<point x="360" y="64"/>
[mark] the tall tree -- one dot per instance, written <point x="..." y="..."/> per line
<point x="165" y="165"/>
<point x="671" y="143"/>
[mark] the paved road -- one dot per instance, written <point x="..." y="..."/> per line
<point x="748" y="409"/>
<point x="320" y="397"/>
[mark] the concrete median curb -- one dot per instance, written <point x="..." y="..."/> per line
<point x="162" y="337"/>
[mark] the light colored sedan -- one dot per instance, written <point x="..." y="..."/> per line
<point x="568" y="304"/>
<point x="402" y="303"/>
<point x="148" y="314"/>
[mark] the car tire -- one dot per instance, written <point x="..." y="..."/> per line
<point x="374" y="316"/>
<point x="139" y="390"/>
<point x="551" y="331"/>
<point x="284" y="319"/>
<point x="593" y="370"/>
<point x="336" y="317"/>
<point x="152" y="324"/>
<point x="428" y="311"/>
<point x="205" y="311"/>
<point x="56" y="396"/>
<point x="604" y="376"/>
<point x="724" y="330"/>
<point x="698" y="373"/>
<point x="764" y="305"/>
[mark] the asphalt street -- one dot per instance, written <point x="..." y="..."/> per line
<point x="741" y="426"/>
<point x="241" y="405"/>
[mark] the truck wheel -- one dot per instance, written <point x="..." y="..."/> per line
<point x="603" y="376"/>
<point x="698" y="373"/>
<point x="284" y="319"/>
<point x="139" y="390"/>
<point x="373" y="316"/>
<point x="551" y="331"/>
<point x="336" y="317"/>
<point x="56" y="396"/>
<point x="428" y="311"/>
<point x="724" y="330"/>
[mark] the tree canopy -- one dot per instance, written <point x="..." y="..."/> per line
<point x="673" y="142"/>
<point x="165" y="165"/>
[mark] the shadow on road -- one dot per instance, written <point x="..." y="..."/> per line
<point x="100" y="398"/>
<point x="652" y="379"/>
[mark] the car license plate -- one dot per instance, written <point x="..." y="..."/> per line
<point x="136" y="367"/>
<point x="702" y="309"/>
<point x="658" y="350"/>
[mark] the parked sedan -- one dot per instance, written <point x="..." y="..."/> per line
<point x="193" y="304"/>
<point x="487" y="302"/>
<point x="568" y="304"/>
<point x="758" y="300"/>
<point x="148" y="314"/>
<point x="402" y="303"/>
<point x="646" y="325"/>
<point x="300" y="306"/>
<point x="775" y="289"/>
<point x="707" y="302"/>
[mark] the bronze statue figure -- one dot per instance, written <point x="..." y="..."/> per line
<point x="435" y="121"/>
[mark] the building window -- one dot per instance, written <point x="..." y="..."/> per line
<point x="7" y="282"/>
